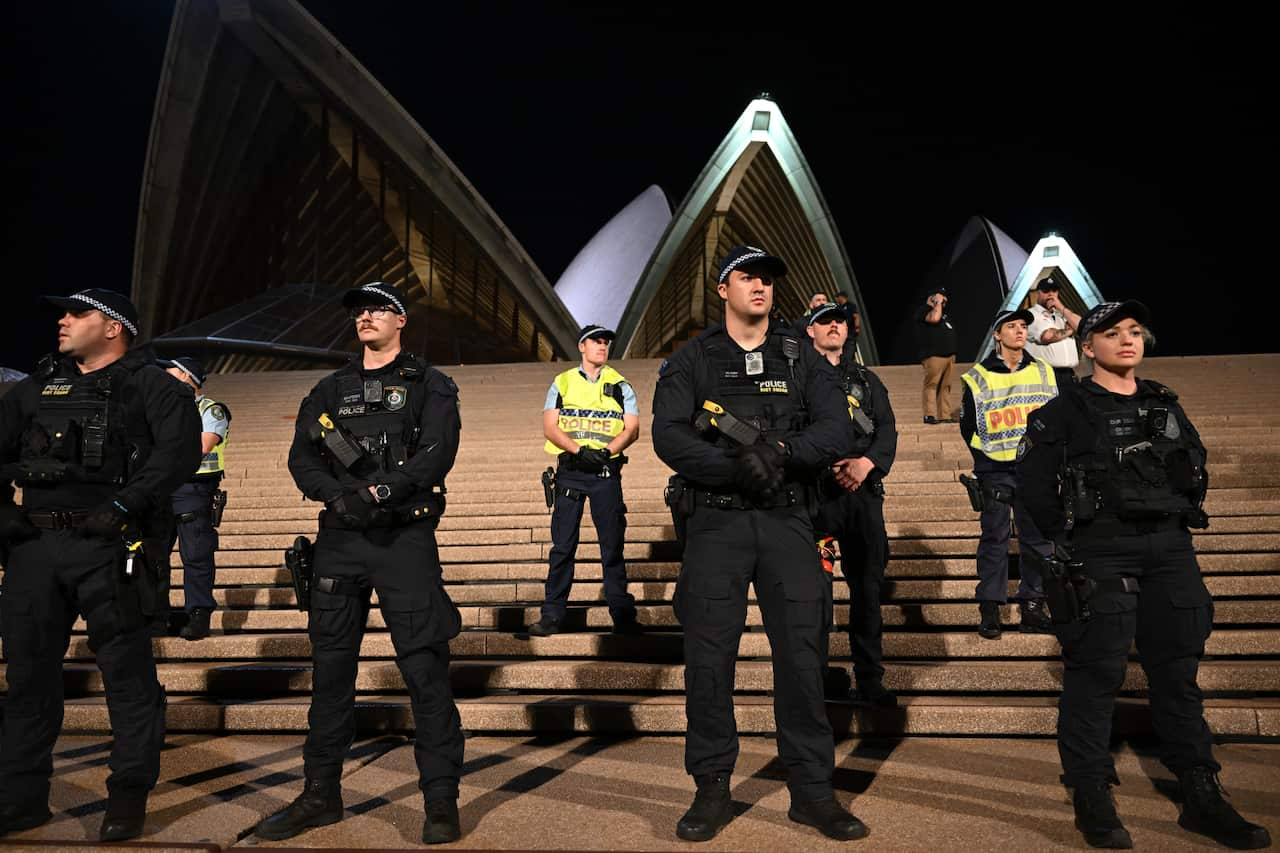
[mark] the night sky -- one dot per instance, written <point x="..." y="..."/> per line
<point x="1143" y="144"/>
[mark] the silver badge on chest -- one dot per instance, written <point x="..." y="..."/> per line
<point x="755" y="363"/>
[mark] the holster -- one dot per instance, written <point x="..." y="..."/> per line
<point x="678" y="496"/>
<point x="299" y="563"/>
<point x="977" y="499"/>
<point x="135" y="587"/>
<point x="549" y="486"/>
<point x="217" y="503"/>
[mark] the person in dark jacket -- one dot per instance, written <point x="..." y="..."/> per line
<point x="747" y="417"/>
<point x="1114" y="472"/>
<point x="374" y="442"/>
<point x="853" y="501"/>
<point x="98" y="437"/>
<point x="936" y="347"/>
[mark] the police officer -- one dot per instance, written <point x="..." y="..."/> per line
<point x="193" y="502"/>
<point x="590" y="417"/>
<point x="853" y="501"/>
<point x="999" y="392"/>
<point x="746" y="416"/>
<point x="98" y="437"/>
<point x="1131" y="468"/>
<point x="374" y="442"/>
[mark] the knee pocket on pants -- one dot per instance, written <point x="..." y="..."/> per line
<point x="706" y="600"/>
<point x="414" y="630"/>
<point x="1177" y="626"/>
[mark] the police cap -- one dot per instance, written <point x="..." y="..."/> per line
<point x="115" y="305"/>
<point x="1104" y="315"/>
<point x="751" y="259"/>
<point x="375" y="293"/>
<point x="594" y="330"/>
<point x="188" y="365"/>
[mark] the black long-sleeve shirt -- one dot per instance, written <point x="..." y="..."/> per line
<point x="686" y="380"/>
<point x="321" y="478"/>
<point x="158" y="416"/>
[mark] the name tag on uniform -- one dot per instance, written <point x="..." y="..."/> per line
<point x="755" y="363"/>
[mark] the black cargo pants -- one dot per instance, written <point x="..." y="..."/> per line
<point x="856" y="520"/>
<point x="48" y="580"/>
<point x="773" y="549"/>
<point x="404" y="568"/>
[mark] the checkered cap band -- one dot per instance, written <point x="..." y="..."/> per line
<point x="105" y="309"/>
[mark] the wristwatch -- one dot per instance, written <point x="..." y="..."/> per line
<point x="382" y="492"/>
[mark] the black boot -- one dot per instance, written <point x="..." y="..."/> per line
<point x="873" y="694"/>
<point x="197" y="627"/>
<point x="1204" y="810"/>
<point x="1096" y="817"/>
<point x="544" y="627"/>
<point x="1034" y="617"/>
<point x="829" y="817"/>
<point x="441" y="825"/>
<point x="626" y="624"/>
<point x="989" y="626"/>
<point x="712" y="809"/>
<point x="126" y="814"/>
<point x="319" y="804"/>
<point x="15" y="817"/>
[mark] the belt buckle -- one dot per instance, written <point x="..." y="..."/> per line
<point x="720" y="501"/>
<point x="61" y="519"/>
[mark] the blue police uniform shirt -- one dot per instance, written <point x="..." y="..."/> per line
<point x="211" y="423"/>
<point x="630" y="405"/>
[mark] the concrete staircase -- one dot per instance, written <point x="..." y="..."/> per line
<point x="254" y="673"/>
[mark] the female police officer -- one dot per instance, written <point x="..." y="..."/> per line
<point x="1114" y="472"/>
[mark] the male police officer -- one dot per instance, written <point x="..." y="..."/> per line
<point x="853" y="501"/>
<point x="747" y="417"/>
<point x="590" y="417"/>
<point x="374" y="442"/>
<point x="193" y="502"/>
<point x="1114" y="471"/>
<point x="999" y="393"/>
<point x="98" y="437"/>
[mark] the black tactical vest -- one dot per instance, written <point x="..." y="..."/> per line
<point x="1148" y="461"/>
<point x="381" y="414"/>
<point x="761" y="388"/>
<point x="80" y="432"/>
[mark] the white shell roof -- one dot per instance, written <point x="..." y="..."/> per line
<point x="597" y="284"/>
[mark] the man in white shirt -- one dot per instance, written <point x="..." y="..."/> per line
<point x="1051" y="335"/>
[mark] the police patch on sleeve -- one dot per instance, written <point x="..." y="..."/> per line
<point x="217" y="413"/>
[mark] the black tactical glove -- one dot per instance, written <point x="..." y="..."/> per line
<point x="593" y="460"/>
<point x="355" y="509"/>
<point x="106" y="521"/>
<point x="15" y="527"/>
<point x="759" y="473"/>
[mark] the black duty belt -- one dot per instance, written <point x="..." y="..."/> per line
<point x="789" y="496"/>
<point x="1121" y="584"/>
<point x="56" y="519"/>
<point x="569" y="461"/>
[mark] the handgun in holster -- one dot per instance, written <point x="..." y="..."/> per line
<point x="337" y="441"/>
<point x="713" y="416"/>
<point x="217" y="503"/>
<point x="549" y="486"/>
<point x="982" y="494"/>
<point x="135" y="584"/>
<point x="299" y="562"/>
<point x="1067" y="589"/>
<point x="678" y="496"/>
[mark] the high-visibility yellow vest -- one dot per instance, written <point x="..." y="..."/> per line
<point x="1002" y="402"/>
<point x="590" y="412"/>
<point x="213" y="462"/>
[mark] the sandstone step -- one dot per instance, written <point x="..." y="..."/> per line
<point x="663" y="714"/>
<point x="467" y="676"/>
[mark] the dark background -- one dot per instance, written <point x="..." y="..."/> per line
<point x="1143" y="145"/>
